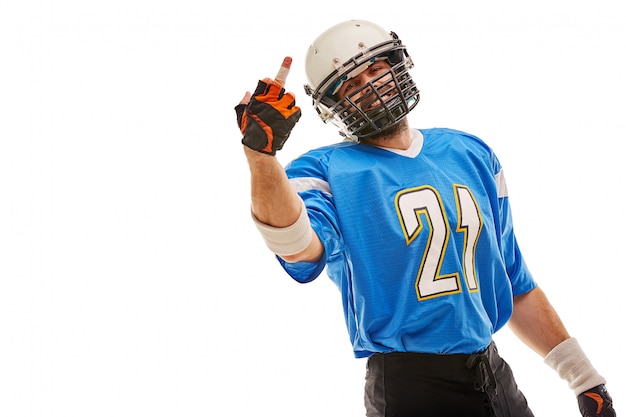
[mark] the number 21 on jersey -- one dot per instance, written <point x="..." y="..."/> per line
<point x="417" y="206"/>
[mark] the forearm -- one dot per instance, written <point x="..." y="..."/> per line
<point x="276" y="204"/>
<point x="538" y="325"/>
<point x="274" y="201"/>
<point x="536" y="322"/>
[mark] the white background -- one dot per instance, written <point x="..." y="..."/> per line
<point x="132" y="281"/>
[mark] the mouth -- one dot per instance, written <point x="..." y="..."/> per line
<point x="378" y="100"/>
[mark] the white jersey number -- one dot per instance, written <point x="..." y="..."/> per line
<point x="425" y="203"/>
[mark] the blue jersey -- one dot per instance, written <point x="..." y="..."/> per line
<point x="420" y="242"/>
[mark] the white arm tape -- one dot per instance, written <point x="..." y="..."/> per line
<point x="288" y="240"/>
<point x="572" y="365"/>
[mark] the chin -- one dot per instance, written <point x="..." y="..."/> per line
<point x="391" y="131"/>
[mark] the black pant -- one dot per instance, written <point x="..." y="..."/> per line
<point x="427" y="385"/>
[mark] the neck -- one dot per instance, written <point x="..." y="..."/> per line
<point x="396" y="137"/>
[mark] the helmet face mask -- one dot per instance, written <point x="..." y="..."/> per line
<point x="346" y="50"/>
<point x="380" y="103"/>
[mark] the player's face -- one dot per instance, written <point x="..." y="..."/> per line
<point x="349" y="87"/>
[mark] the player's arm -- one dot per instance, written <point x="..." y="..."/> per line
<point x="266" y="119"/>
<point x="536" y="322"/>
<point x="279" y="212"/>
<point x="538" y="325"/>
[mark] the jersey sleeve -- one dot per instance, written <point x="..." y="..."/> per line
<point x="521" y="279"/>
<point x="307" y="174"/>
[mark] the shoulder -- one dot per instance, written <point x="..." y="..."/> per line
<point x="455" y="137"/>
<point x="456" y="143"/>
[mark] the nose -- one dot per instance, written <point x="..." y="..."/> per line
<point x="369" y="84"/>
<point x="367" y="89"/>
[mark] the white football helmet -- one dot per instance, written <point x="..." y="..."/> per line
<point x="344" y="51"/>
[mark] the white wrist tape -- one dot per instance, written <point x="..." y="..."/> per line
<point x="571" y="363"/>
<point x="288" y="240"/>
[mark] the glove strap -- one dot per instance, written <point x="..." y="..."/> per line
<point x="572" y="365"/>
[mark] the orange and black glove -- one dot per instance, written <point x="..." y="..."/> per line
<point x="266" y="121"/>
<point x="596" y="402"/>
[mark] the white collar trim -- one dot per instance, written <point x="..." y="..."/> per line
<point x="417" y="141"/>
